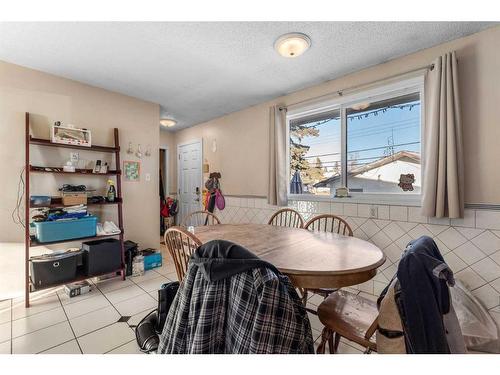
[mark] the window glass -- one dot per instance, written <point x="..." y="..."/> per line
<point x="315" y="153"/>
<point x="383" y="145"/>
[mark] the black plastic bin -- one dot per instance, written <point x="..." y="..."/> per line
<point x="101" y="256"/>
<point x="52" y="269"/>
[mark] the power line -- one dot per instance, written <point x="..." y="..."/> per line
<point x="365" y="149"/>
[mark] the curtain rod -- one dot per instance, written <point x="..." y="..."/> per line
<point x="353" y="88"/>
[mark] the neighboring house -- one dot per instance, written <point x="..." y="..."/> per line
<point x="380" y="176"/>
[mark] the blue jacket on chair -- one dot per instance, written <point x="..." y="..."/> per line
<point x="424" y="296"/>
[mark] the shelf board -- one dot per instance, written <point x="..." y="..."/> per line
<point x="86" y="172"/>
<point x="46" y="142"/>
<point x="57" y="202"/>
<point x="35" y="243"/>
<point x="80" y="277"/>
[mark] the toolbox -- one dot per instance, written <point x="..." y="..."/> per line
<point x="53" y="269"/>
<point x="51" y="231"/>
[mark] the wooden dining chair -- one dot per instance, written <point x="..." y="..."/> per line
<point x="180" y="244"/>
<point x="200" y="218"/>
<point x="329" y="223"/>
<point x="325" y="223"/>
<point x="348" y="315"/>
<point x="287" y="217"/>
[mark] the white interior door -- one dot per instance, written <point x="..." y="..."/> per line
<point x="189" y="181"/>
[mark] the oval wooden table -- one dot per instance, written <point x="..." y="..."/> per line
<point x="309" y="259"/>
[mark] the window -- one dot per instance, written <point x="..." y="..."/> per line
<point x="369" y="142"/>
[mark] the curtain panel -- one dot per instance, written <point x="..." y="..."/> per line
<point x="277" y="191"/>
<point x="443" y="173"/>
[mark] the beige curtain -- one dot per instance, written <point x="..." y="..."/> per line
<point x="443" y="174"/>
<point x="277" y="192"/>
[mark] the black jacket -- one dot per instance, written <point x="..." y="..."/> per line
<point x="230" y="301"/>
<point x="424" y="296"/>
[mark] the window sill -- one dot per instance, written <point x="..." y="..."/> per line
<point x="376" y="199"/>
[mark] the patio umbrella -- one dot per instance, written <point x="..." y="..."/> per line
<point x="296" y="184"/>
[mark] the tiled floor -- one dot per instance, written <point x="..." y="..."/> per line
<point x="56" y="324"/>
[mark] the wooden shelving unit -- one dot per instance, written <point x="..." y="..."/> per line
<point x="56" y="202"/>
<point x="58" y="170"/>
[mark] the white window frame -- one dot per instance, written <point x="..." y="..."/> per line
<point x="406" y="86"/>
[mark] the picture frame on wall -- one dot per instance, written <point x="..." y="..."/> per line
<point x="132" y="171"/>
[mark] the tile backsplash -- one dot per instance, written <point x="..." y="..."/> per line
<point x="470" y="246"/>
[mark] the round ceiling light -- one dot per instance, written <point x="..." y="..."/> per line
<point x="292" y="45"/>
<point x="167" y="122"/>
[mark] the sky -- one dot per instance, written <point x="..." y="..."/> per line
<point x="370" y="132"/>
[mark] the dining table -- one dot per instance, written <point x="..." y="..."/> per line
<point x="310" y="259"/>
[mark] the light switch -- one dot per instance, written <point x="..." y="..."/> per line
<point x="148" y="177"/>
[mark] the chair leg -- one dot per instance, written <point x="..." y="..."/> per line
<point x="335" y="347"/>
<point x="304" y="297"/>
<point x="325" y="336"/>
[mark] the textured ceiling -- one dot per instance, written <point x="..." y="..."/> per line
<point x="200" y="71"/>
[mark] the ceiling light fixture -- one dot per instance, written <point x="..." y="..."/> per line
<point x="292" y="45"/>
<point x="167" y="122"/>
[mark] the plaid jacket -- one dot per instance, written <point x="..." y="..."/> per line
<point x="232" y="302"/>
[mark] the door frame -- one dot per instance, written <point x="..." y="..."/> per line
<point x="166" y="185"/>
<point x="187" y="143"/>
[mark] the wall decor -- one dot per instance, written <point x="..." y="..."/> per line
<point x="130" y="150"/>
<point x="138" y="153"/>
<point x="132" y="170"/>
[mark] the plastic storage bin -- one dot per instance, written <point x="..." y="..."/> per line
<point x="151" y="259"/>
<point x="101" y="256"/>
<point x="51" y="231"/>
<point x="53" y="269"/>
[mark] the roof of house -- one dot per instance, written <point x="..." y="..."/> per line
<point x="409" y="156"/>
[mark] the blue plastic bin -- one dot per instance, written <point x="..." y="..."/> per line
<point x="51" y="231"/>
<point x="152" y="261"/>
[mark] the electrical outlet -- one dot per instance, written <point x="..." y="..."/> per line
<point x="373" y="212"/>
<point x="73" y="157"/>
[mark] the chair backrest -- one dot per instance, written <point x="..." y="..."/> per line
<point x="200" y="218"/>
<point x="181" y="244"/>
<point x="329" y="223"/>
<point x="287" y="217"/>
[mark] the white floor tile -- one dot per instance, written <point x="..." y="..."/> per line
<point x="5" y="330"/>
<point x="136" y="318"/>
<point x="70" y="347"/>
<point x="135" y="305"/>
<point x="37" y="305"/>
<point x="5" y="313"/>
<point x="315" y="299"/>
<point x="347" y="349"/>
<point x="43" y="339"/>
<point x="5" y="347"/>
<point x="123" y="294"/>
<point x="148" y="275"/>
<point x="129" y="348"/>
<point x="113" y="284"/>
<point x="66" y="300"/>
<point x="86" y="306"/>
<point x="154" y="295"/>
<point x="94" y="320"/>
<point x="38" y="321"/>
<point x="153" y="284"/>
<point x="106" y="339"/>
<point x="315" y="323"/>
